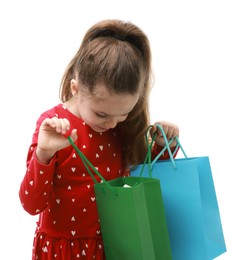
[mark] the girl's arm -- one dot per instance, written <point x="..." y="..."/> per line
<point x="35" y="189"/>
<point x="36" y="186"/>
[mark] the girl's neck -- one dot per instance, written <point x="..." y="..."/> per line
<point x="72" y="106"/>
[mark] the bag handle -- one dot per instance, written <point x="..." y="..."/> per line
<point x="166" y="147"/>
<point x="89" y="165"/>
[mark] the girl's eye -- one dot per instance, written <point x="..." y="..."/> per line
<point x="101" y="115"/>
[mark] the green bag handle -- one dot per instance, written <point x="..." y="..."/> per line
<point x="166" y="147"/>
<point x="89" y="165"/>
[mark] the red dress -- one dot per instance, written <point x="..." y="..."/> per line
<point x="62" y="192"/>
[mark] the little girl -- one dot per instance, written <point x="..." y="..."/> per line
<point x="104" y="108"/>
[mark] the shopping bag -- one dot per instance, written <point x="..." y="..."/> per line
<point x="132" y="216"/>
<point x="190" y="203"/>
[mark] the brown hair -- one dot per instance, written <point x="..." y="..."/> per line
<point x="116" y="54"/>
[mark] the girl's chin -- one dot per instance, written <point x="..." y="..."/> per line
<point x="98" y="129"/>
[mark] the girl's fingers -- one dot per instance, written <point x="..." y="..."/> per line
<point x="61" y="125"/>
<point x="171" y="131"/>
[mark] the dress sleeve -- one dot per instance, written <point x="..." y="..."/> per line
<point x="35" y="188"/>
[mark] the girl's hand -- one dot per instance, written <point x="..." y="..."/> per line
<point x="52" y="138"/>
<point x="171" y="130"/>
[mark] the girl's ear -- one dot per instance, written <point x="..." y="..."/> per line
<point x="74" y="87"/>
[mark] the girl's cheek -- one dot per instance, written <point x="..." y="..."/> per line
<point x="93" y="120"/>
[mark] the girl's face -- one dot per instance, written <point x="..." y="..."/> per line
<point x="102" y="110"/>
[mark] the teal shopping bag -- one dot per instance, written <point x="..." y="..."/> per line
<point x="132" y="216"/>
<point x="190" y="203"/>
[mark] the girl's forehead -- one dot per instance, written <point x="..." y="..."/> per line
<point x="112" y="104"/>
<point x="102" y="94"/>
<point x="100" y="91"/>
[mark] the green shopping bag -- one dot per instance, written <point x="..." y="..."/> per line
<point x="132" y="217"/>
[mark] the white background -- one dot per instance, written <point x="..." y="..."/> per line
<point x="199" y="61"/>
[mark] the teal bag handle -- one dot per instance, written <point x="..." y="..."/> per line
<point x="89" y="165"/>
<point x="166" y="147"/>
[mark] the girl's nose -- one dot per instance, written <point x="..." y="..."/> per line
<point x="111" y="123"/>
